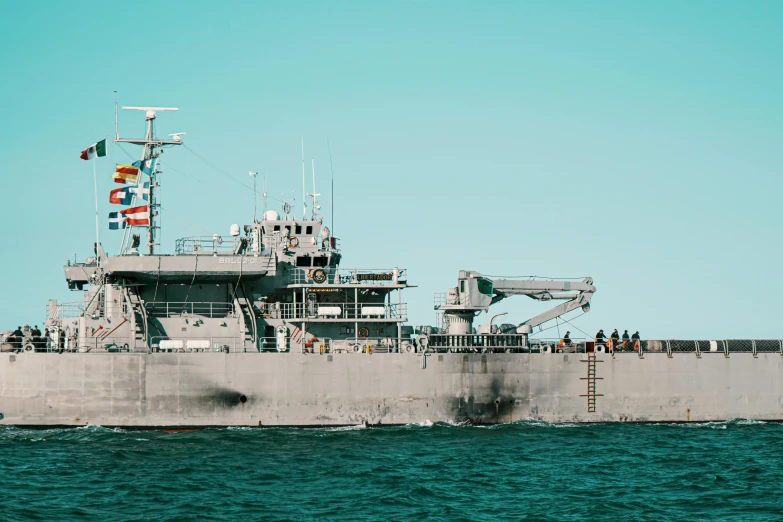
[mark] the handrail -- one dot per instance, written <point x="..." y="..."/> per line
<point x="330" y="311"/>
<point x="211" y="309"/>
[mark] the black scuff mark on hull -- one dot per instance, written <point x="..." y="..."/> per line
<point x="226" y="398"/>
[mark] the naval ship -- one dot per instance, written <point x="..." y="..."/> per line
<point x="268" y="326"/>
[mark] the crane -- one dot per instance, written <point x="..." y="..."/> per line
<point x="475" y="293"/>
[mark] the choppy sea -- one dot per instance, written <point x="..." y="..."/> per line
<point x="522" y="471"/>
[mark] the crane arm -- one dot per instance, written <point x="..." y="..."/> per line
<point x="575" y="293"/>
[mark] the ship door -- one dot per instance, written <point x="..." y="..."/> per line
<point x="268" y="342"/>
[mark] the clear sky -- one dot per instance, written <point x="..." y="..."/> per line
<point x="635" y="142"/>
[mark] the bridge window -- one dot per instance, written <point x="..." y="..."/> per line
<point x="462" y="286"/>
<point x="277" y="228"/>
<point x="309" y="230"/>
<point x="298" y="230"/>
<point x="320" y="261"/>
<point x="303" y="261"/>
<point x="485" y="286"/>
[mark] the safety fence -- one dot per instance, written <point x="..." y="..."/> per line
<point x="178" y="309"/>
<point x="205" y="244"/>
<point x="699" y="347"/>
<point x="325" y="311"/>
<point x="64" y="311"/>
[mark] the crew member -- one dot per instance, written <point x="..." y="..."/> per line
<point x="567" y="339"/>
<point x="36" y="332"/>
<point x="626" y="338"/>
<point x="16" y="338"/>
<point x="600" y="338"/>
<point x="615" y="337"/>
<point x="635" y="337"/>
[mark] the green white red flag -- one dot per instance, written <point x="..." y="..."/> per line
<point x="96" y="150"/>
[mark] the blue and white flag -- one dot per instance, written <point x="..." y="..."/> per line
<point x="141" y="191"/>
<point x="116" y="221"/>
<point x="147" y="166"/>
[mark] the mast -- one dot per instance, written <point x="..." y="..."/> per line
<point x="150" y="144"/>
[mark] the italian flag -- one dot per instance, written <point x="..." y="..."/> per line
<point x="96" y="150"/>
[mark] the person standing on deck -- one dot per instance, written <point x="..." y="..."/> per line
<point x="636" y="340"/>
<point x="615" y="337"/>
<point x="626" y="338"/>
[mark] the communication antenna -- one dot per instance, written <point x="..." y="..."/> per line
<point x="116" y="118"/>
<point x="304" y="201"/>
<point x="255" y="197"/>
<point x="331" y="167"/>
<point x="314" y="195"/>
<point x="263" y="207"/>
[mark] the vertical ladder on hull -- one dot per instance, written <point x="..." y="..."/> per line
<point x="591" y="378"/>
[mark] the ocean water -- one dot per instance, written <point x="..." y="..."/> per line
<point x="523" y="471"/>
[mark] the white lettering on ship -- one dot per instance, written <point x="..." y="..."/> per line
<point x="237" y="261"/>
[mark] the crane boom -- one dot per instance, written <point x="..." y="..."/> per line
<point x="476" y="293"/>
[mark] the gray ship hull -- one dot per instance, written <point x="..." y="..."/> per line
<point x="289" y="389"/>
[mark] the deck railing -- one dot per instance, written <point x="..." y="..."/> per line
<point x="326" y="312"/>
<point x="177" y="309"/>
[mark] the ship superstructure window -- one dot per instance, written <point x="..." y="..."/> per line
<point x="288" y="230"/>
<point x="277" y="228"/>
<point x="462" y="287"/>
<point x="303" y="261"/>
<point x="484" y="286"/>
<point x="321" y="261"/>
<point x="309" y="230"/>
<point x="298" y="230"/>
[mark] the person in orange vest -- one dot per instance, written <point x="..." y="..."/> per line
<point x="636" y="340"/>
<point x="626" y="338"/>
<point x="615" y="337"/>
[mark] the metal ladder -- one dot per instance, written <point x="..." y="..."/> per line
<point x="140" y="317"/>
<point x="591" y="378"/>
<point x="249" y="317"/>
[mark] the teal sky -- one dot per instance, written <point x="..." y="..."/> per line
<point x="635" y="142"/>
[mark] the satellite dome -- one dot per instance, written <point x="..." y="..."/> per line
<point x="324" y="232"/>
<point x="271" y="215"/>
<point x="234" y="230"/>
